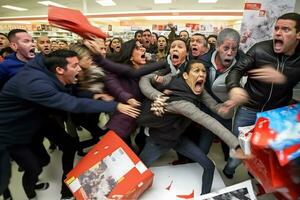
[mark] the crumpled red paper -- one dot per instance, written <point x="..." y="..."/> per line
<point x="74" y="21"/>
<point x="186" y="196"/>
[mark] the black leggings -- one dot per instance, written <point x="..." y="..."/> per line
<point x="54" y="132"/>
<point x="24" y="156"/>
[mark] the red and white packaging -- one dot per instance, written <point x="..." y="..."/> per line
<point x="245" y="134"/>
<point x="111" y="170"/>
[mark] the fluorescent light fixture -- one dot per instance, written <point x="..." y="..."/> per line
<point x="162" y="1"/>
<point x="14" y="8"/>
<point x="47" y="3"/>
<point x="207" y="1"/>
<point x="106" y="2"/>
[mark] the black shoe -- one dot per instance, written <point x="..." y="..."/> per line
<point x="229" y="176"/>
<point x="81" y="153"/>
<point x="67" y="198"/>
<point x="20" y="169"/>
<point x="42" y="186"/>
<point x="52" y="147"/>
<point x="226" y="157"/>
<point x="7" y="195"/>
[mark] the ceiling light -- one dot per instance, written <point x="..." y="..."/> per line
<point x="106" y="2"/>
<point x="162" y="1"/>
<point x="14" y="8"/>
<point x="207" y="1"/>
<point x="47" y="3"/>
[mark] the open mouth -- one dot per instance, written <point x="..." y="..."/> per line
<point x="278" y="44"/>
<point x="143" y="56"/>
<point x="32" y="52"/>
<point x="195" y="51"/>
<point x="76" y="77"/>
<point x="198" y="86"/>
<point x="227" y="61"/>
<point x="175" y="57"/>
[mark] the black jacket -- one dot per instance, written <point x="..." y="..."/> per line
<point x="264" y="96"/>
<point x="169" y="128"/>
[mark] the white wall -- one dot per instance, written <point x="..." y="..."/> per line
<point x="297" y="7"/>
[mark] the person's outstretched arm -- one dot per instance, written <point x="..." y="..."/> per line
<point x="43" y="93"/>
<point x="122" y="69"/>
<point x="192" y="112"/>
<point x="147" y="88"/>
<point x="127" y="70"/>
<point x="214" y="106"/>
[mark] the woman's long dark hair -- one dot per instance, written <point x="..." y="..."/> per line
<point x="125" y="53"/>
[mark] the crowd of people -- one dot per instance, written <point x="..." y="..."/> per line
<point x="177" y="92"/>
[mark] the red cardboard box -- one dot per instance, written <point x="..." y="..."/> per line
<point x="111" y="170"/>
<point x="266" y="166"/>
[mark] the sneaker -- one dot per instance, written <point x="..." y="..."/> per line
<point x="42" y="186"/>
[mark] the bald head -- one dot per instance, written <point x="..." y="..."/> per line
<point x="44" y="45"/>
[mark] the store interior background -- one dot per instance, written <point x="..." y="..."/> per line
<point x="123" y="19"/>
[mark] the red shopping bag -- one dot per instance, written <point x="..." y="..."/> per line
<point x="110" y="170"/>
<point x="74" y="21"/>
<point x="273" y="177"/>
<point x="266" y="169"/>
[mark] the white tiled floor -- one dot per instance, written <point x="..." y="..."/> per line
<point x="52" y="174"/>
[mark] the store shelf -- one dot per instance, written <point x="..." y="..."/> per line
<point x="56" y="35"/>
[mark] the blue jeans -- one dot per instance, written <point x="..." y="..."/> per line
<point x="186" y="147"/>
<point x="243" y="117"/>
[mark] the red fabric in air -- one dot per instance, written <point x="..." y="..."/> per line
<point x="74" y="21"/>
